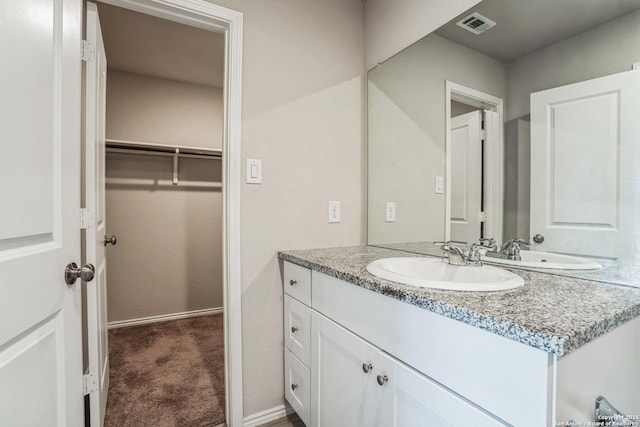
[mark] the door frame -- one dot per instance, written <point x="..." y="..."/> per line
<point x="493" y="157"/>
<point x="208" y="16"/>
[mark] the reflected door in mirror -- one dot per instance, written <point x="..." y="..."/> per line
<point x="584" y="139"/>
<point x="466" y="177"/>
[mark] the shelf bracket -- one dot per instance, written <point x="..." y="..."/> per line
<point x="175" y="166"/>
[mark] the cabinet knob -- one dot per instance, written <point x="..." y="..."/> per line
<point x="366" y="367"/>
<point x="294" y="386"/>
<point x="294" y="329"/>
<point x="293" y="282"/>
<point x="382" y="379"/>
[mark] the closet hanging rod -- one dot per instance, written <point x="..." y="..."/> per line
<point x="117" y="145"/>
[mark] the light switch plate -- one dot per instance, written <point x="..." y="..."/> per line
<point x="439" y="185"/>
<point x="254" y="171"/>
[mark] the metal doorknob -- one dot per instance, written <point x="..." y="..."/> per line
<point x="73" y="273"/>
<point x="382" y="379"/>
<point x="110" y="240"/>
<point x="538" y="238"/>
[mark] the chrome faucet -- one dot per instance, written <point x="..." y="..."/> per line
<point x="511" y="249"/>
<point x="489" y="244"/>
<point x="457" y="256"/>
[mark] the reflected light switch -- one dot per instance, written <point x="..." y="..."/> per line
<point x="439" y="185"/>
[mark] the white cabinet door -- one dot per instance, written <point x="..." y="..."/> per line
<point x="338" y="380"/>
<point x="40" y="315"/>
<point x="584" y="174"/>
<point x="381" y="386"/>
<point x="399" y="396"/>
<point x="420" y="401"/>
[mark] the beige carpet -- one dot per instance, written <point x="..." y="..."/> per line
<point x="167" y="374"/>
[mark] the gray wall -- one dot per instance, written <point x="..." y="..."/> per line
<point x="517" y="178"/>
<point x="169" y="253"/>
<point x="303" y="67"/>
<point x="407" y="137"/>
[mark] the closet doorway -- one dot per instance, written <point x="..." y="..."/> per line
<point x="165" y="133"/>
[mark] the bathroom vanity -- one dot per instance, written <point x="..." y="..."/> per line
<point x="363" y="351"/>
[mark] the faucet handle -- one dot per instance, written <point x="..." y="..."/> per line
<point x="450" y="247"/>
<point x="514" y="243"/>
<point x="453" y="254"/>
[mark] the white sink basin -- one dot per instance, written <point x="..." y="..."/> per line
<point x="547" y="260"/>
<point x="434" y="273"/>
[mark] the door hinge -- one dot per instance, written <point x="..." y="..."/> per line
<point x="483" y="217"/>
<point x="87" y="51"/>
<point x="483" y="134"/>
<point x="86" y="218"/>
<point x="89" y="383"/>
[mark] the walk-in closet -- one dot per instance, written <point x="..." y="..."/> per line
<point x="164" y="130"/>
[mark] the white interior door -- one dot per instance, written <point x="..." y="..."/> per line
<point x="40" y="315"/>
<point x="584" y="143"/>
<point x="466" y="177"/>
<point x="95" y="99"/>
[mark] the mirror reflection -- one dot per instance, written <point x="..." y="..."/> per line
<point x="514" y="119"/>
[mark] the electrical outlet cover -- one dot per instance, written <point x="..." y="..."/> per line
<point x="334" y="211"/>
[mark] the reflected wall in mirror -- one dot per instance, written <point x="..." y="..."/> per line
<point x="534" y="46"/>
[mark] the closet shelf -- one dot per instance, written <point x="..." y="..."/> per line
<point x="118" y="146"/>
<point x="175" y="151"/>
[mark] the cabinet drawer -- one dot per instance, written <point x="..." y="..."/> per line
<point x="297" y="282"/>
<point x="297" y="386"/>
<point x="297" y="328"/>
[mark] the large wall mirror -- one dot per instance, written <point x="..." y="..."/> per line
<point x="513" y="129"/>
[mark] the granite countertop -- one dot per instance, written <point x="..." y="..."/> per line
<point x="552" y="313"/>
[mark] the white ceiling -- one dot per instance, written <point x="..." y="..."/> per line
<point x="524" y="26"/>
<point x="143" y="44"/>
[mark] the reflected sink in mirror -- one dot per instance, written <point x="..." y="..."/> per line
<point x="543" y="260"/>
<point x="436" y="274"/>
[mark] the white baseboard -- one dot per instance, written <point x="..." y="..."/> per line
<point x="267" y="416"/>
<point x="164" y="317"/>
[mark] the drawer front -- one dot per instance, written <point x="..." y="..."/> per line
<point x="297" y="282"/>
<point x="297" y="328"/>
<point x="297" y="386"/>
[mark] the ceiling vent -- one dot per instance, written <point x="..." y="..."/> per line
<point x="476" y="23"/>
